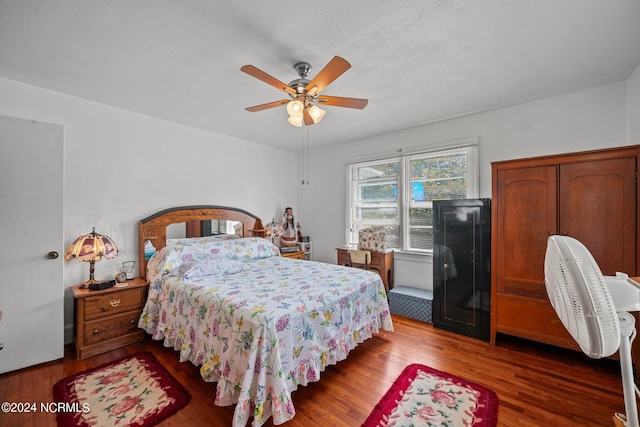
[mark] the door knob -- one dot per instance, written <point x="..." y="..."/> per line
<point x="53" y="255"/>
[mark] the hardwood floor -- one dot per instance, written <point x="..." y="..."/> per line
<point x="538" y="385"/>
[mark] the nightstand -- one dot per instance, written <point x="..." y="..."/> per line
<point x="307" y="248"/>
<point x="296" y="255"/>
<point x="108" y="319"/>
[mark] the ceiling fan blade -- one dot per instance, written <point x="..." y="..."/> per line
<point x="338" y="101"/>
<point x="261" y="75"/>
<point x="328" y="74"/>
<point x="266" y="106"/>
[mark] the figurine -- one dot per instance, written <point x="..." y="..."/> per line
<point x="291" y="231"/>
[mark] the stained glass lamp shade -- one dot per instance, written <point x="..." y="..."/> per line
<point x="90" y="248"/>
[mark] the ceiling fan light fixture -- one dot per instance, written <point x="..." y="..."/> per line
<point x="304" y="94"/>
<point x="294" y="108"/>
<point x="296" y="120"/>
<point x="316" y="113"/>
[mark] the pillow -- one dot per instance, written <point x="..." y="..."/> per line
<point x="227" y="236"/>
<point x="170" y="258"/>
<point x="214" y="267"/>
<point x="190" y="241"/>
<point x="372" y="239"/>
<point x="251" y="248"/>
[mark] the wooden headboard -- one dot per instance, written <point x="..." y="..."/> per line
<point x="154" y="227"/>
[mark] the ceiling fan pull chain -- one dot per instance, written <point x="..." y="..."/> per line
<point x="305" y="154"/>
<point x="303" y="162"/>
<point x="308" y="165"/>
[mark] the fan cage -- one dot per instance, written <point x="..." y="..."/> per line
<point x="578" y="292"/>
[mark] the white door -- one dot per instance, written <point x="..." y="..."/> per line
<point x="31" y="226"/>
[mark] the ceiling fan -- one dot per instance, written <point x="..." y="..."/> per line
<point x="304" y="94"/>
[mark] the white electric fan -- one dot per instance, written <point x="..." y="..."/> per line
<point x="593" y="308"/>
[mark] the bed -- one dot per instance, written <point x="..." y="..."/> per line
<point x="258" y="324"/>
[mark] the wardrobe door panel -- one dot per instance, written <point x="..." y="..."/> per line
<point x="527" y="215"/>
<point x="598" y="207"/>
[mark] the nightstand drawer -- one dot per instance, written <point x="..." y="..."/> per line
<point x="113" y="303"/>
<point x="294" y="255"/>
<point x="104" y="329"/>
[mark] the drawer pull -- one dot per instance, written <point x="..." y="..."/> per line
<point x="132" y="321"/>
<point x="114" y="302"/>
<point x="95" y="331"/>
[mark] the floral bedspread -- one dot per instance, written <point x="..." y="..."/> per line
<point x="259" y="324"/>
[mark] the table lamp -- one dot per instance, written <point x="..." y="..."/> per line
<point x="90" y="248"/>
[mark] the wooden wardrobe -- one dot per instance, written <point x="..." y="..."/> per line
<point x="591" y="196"/>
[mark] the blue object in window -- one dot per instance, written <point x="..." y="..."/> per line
<point x="417" y="192"/>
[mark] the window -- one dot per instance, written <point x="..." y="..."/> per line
<point x="375" y="198"/>
<point x="398" y="193"/>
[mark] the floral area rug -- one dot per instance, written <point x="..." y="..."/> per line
<point x="134" y="391"/>
<point x="422" y="396"/>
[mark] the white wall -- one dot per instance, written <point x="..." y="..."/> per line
<point x="583" y="120"/>
<point x="633" y="107"/>
<point x="121" y="167"/>
<point x="156" y="166"/>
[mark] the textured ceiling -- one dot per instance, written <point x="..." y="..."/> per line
<point x="417" y="61"/>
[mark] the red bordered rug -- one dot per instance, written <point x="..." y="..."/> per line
<point x="134" y="391"/>
<point x="423" y="396"/>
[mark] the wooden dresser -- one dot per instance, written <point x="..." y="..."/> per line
<point x="380" y="261"/>
<point x="591" y="196"/>
<point x="108" y="319"/>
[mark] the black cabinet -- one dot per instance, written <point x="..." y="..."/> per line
<point x="462" y="266"/>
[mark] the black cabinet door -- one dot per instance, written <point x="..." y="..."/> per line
<point x="462" y="266"/>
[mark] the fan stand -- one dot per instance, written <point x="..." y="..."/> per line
<point x="627" y="333"/>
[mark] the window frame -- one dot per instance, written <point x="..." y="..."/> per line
<point x="467" y="147"/>
<point x="353" y="184"/>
